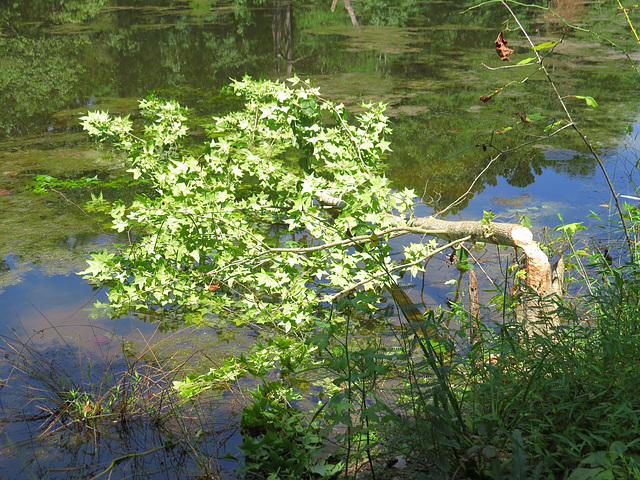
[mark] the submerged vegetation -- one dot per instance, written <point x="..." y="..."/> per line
<point x="106" y="401"/>
<point x="284" y="223"/>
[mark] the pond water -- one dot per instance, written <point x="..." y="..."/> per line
<point x="426" y="59"/>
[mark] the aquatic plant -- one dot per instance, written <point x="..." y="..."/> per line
<point x="116" y="405"/>
<point x="284" y="223"/>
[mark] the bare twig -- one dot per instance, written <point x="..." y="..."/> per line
<point x="484" y="170"/>
<point x="576" y="129"/>
<point x="403" y="266"/>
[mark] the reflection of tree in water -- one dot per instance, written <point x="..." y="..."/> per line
<point x="131" y="55"/>
<point x="121" y="54"/>
<point x="444" y="181"/>
<point x="570" y="10"/>
<point x="50" y="11"/>
<point x="35" y="82"/>
<point x="441" y="165"/>
<point x="281" y="27"/>
<point x="349" y="8"/>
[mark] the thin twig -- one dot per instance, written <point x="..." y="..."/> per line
<point x="117" y="460"/>
<point x="403" y="266"/>
<point x="577" y="130"/>
<point x="475" y="180"/>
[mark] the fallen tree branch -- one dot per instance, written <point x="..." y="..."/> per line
<point x="509" y="234"/>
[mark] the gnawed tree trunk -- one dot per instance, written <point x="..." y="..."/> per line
<point x="546" y="284"/>
<point x="474" y="307"/>
<point x="538" y="309"/>
<point x="509" y="234"/>
<point x="278" y="24"/>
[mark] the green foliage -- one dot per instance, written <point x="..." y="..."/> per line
<point x="34" y="74"/>
<point x="285" y="354"/>
<point x="210" y="221"/>
<point x="525" y="221"/>
<point x="279" y="440"/>
<point x="532" y="399"/>
<point x="43" y="183"/>
<point x="615" y="462"/>
<point x="272" y="223"/>
<point x="242" y="230"/>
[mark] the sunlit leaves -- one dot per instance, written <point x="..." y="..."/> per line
<point x="98" y="264"/>
<point x="570" y="229"/>
<point x="167" y="120"/>
<point x="105" y="128"/>
<point x="231" y="213"/>
<point x="545" y="45"/>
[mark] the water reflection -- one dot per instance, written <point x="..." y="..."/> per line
<point x="97" y="389"/>
<point x="48" y="308"/>
<point x="423" y="58"/>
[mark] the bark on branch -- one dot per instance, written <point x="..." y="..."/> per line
<point x="510" y="234"/>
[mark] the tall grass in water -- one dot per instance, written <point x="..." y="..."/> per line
<point x="69" y="413"/>
<point x="560" y="400"/>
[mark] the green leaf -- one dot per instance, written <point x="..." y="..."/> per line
<point x="438" y="347"/>
<point x="571" y="228"/>
<point x="553" y="125"/>
<point x="97" y="263"/>
<point x="303" y="162"/>
<point x="487" y="217"/>
<point x="542" y="46"/>
<point x="535" y="116"/>
<point x="526" y="60"/>
<point x="618" y="448"/>
<point x="463" y="259"/>
<point x="591" y="102"/>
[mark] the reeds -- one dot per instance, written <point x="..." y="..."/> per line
<point x="102" y="408"/>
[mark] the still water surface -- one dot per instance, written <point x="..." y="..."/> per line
<point x="424" y="58"/>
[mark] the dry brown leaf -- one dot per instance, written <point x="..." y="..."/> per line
<point x="502" y="49"/>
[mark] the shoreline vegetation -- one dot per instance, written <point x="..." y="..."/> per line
<point x="278" y="219"/>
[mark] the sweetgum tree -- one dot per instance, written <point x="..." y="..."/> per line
<point x="282" y="214"/>
<point x="272" y="219"/>
<point x="281" y="221"/>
